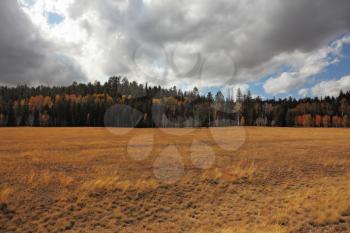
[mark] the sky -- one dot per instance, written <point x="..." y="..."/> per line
<point x="275" y="48"/>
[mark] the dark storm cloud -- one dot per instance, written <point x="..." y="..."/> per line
<point x="252" y="32"/>
<point x="238" y="40"/>
<point x="25" y="57"/>
<point x="295" y="25"/>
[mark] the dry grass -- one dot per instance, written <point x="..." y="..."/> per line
<point x="5" y="194"/>
<point x="83" y="180"/>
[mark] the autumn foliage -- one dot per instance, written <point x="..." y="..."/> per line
<point x="130" y="104"/>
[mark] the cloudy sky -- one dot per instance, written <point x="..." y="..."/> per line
<point x="273" y="47"/>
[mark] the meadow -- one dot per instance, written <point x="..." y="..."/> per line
<point x="225" y="180"/>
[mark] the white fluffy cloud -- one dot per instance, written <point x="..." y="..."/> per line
<point x="328" y="88"/>
<point x="304" y="66"/>
<point x="304" y="92"/>
<point x="199" y="42"/>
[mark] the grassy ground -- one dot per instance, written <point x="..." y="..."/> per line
<point x="151" y="180"/>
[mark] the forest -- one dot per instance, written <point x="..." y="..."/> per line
<point x="121" y="103"/>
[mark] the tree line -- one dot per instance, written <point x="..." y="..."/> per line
<point x="121" y="103"/>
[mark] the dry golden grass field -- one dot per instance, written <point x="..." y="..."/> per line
<point x="174" y="180"/>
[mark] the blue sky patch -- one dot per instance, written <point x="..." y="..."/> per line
<point x="54" y="18"/>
